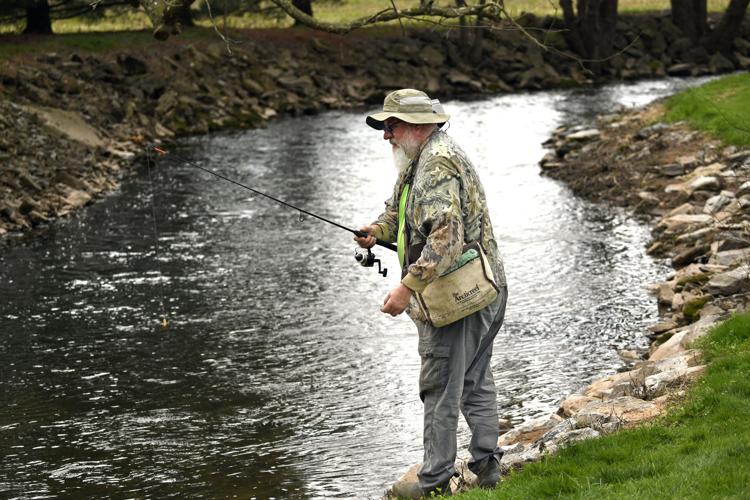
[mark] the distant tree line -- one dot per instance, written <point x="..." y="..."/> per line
<point x="590" y="28"/>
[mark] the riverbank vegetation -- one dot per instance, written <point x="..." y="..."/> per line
<point x="721" y="108"/>
<point x="700" y="450"/>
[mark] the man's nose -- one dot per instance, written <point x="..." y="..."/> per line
<point x="387" y="135"/>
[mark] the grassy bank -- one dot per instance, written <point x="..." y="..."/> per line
<point x="721" y="107"/>
<point x="701" y="450"/>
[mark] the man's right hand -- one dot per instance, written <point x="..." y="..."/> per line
<point x="369" y="241"/>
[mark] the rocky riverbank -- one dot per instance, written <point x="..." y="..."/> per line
<point x="73" y="121"/>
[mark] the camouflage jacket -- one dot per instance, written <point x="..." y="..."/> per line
<point x="445" y="208"/>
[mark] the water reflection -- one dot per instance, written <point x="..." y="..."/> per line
<point x="278" y="376"/>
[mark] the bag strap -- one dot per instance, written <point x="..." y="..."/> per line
<point x="401" y="235"/>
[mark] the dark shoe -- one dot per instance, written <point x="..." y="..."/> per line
<point x="489" y="475"/>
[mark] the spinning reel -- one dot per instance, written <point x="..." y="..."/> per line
<point x="367" y="259"/>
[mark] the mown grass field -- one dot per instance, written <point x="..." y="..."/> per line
<point x="701" y="450"/>
<point x="721" y="107"/>
<point x="346" y="10"/>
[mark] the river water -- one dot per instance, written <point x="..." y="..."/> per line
<point x="278" y="376"/>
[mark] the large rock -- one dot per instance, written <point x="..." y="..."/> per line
<point x="659" y="383"/>
<point x="663" y="326"/>
<point x="614" y="385"/>
<point x="682" y="338"/>
<point x="683" y="69"/>
<point x="704" y="183"/>
<point x="666" y="293"/>
<point x="689" y="254"/>
<point x="671" y="170"/>
<point x="728" y="283"/>
<point x="716" y="203"/>
<point x="730" y="258"/>
<point x="516" y="459"/>
<point x="529" y="431"/>
<point x="569" y="437"/>
<point x="584" y="135"/>
<point x="566" y="432"/>
<point x="679" y="361"/>
<point x="701" y="234"/>
<point x="627" y="410"/>
<point x="76" y="199"/>
<point x="684" y="223"/>
<point x="685" y="208"/>
<point x="69" y="123"/>
<point x="407" y="485"/>
<point x="573" y="403"/>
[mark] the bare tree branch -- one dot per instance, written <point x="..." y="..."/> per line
<point x="490" y="10"/>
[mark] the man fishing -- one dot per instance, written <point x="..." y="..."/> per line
<point x="437" y="207"/>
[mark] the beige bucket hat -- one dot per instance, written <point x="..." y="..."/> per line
<point x="411" y="106"/>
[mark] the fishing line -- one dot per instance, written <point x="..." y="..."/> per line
<point x="302" y="211"/>
<point x="164" y="321"/>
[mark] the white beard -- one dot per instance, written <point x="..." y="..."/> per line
<point x="400" y="159"/>
<point x="404" y="153"/>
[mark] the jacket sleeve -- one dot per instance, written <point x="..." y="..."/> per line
<point x="438" y="216"/>
<point x="387" y="223"/>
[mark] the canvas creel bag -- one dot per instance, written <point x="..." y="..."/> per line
<point x="465" y="288"/>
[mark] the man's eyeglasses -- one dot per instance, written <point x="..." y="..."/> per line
<point x="390" y="128"/>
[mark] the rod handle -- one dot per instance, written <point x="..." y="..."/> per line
<point x="384" y="244"/>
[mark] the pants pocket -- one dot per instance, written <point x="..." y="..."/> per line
<point x="433" y="374"/>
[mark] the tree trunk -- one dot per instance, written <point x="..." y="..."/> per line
<point x="572" y="37"/>
<point x="477" y="45"/>
<point x="591" y="30"/>
<point x="305" y="6"/>
<point x="690" y="16"/>
<point x="38" y="21"/>
<point x="597" y="21"/>
<point x="722" y="38"/>
<point x="184" y="16"/>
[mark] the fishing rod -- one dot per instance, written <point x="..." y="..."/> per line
<point x="365" y="259"/>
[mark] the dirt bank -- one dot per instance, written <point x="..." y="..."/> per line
<point x="72" y="121"/>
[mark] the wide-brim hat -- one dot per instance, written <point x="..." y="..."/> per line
<point x="411" y="106"/>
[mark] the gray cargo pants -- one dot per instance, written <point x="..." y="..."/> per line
<point x="456" y="374"/>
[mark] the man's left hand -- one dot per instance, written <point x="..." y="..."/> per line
<point x="396" y="300"/>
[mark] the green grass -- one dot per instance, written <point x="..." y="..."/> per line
<point x="12" y="45"/>
<point x="700" y="450"/>
<point x="721" y="108"/>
